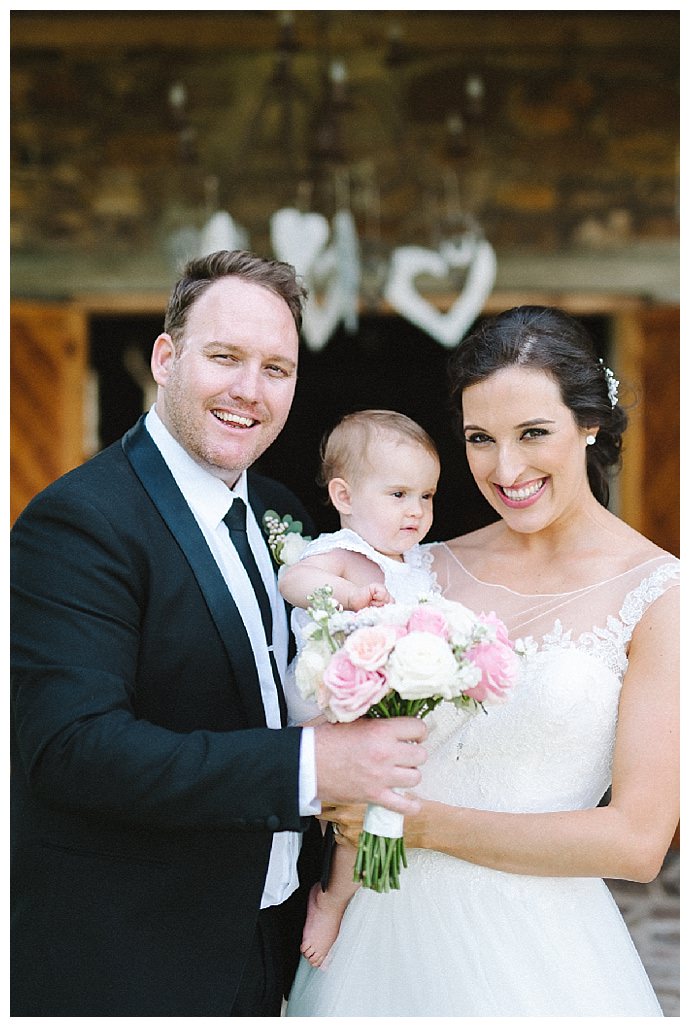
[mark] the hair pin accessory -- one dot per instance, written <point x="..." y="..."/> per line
<point x="611" y="383"/>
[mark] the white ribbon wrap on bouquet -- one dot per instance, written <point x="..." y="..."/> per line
<point x="382" y="822"/>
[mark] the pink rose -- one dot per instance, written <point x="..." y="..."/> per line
<point x="369" y="648"/>
<point x="426" y="618"/>
<point x="497" y="662"/>
<point x="352" y="690"/>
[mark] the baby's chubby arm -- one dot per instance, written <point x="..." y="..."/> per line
<point x="355" y="580"/>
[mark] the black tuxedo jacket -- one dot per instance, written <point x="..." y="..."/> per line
<point x="147" y="785"/>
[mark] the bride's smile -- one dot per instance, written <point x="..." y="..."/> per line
<point x="522" y="495"/>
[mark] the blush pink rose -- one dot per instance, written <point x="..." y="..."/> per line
<point x="352" y="690"/>
<point x="497" y="662"/>
<point x="426" y="618"/>
<point x="369" y="648"/>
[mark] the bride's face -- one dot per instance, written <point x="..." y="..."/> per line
<point x="525" y="451"/>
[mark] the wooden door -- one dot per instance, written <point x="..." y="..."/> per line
<point x="648" y="359"/>
<point x="660" y="362"/>
<point x="48" y="359"/>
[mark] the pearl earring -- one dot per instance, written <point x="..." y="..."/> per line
<point x="590" y="440"/>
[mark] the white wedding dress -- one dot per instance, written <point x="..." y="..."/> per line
<point x="464" y="940"/>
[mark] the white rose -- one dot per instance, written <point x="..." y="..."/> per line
<point x="422" y="665"/>
<point x="309" y="668"/>
<point x="461" y="621"/>
<point x="395" y="614"/>
<point x="292" y="548"/>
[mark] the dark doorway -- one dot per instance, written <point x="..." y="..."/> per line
<point x="388" y="364"/>
<point x="120" y="354"/>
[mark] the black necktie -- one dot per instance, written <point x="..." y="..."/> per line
<point x="236" y="520"/>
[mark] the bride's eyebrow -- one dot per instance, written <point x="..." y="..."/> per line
<point x="523" y="424"/>
<point x="535" y="421"/>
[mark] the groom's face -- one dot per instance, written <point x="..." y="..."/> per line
<point x="225" y="389"/>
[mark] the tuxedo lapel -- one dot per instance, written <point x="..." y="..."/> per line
<point x="155" y="476"/>
<point x="260" y="503"/>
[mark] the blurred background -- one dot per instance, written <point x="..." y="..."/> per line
<point x="421" y="170"/>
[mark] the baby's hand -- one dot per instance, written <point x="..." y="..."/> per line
<point x="362" y="596"/>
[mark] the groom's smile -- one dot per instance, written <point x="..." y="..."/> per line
<point x="234" y="419"/>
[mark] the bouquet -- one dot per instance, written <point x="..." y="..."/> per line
<point x="399" y="660"/>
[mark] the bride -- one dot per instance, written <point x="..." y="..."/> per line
<point x="502" y="910"/>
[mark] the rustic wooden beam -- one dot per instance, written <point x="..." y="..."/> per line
<point x="580" y="304"/>
<point x="424" y="33"/>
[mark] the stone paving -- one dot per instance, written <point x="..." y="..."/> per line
<point x="652" y="913"/>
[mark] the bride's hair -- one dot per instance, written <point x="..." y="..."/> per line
<point x="549" y="340"/>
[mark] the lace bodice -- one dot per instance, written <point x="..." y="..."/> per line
<point x="550" y="747"/>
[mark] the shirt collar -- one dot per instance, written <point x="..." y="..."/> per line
<point x="208" y="497"/>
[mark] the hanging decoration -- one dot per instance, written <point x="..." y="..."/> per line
<point x="297" y="145"/>
<point x="299" y="238"/>
<point x="475" y="254"/>
<point x="221" y="232"/>
<point x="331" y="273"/>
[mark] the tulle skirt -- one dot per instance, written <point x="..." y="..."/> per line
<point x="460" y="940"/>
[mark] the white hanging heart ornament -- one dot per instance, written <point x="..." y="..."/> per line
<point x="408" y="262"/>
<point x="321" y="317"/>
<point x="298" y="238"/>
<point x="330" y="273"/>
<point x="221" y="232"/>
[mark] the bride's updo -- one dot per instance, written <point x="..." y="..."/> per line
<point x="548" y="339"/>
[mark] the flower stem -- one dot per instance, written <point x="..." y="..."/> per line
<point x="379" y="861"/>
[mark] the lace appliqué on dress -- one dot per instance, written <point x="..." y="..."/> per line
<point x="422" y="558"/>
<point x="609" y="645"/>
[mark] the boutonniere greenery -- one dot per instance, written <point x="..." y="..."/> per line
<point x="285" y="538"/>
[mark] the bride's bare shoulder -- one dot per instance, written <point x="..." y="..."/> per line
<point x="473" y="542"/>
<point x="618" y="545"/>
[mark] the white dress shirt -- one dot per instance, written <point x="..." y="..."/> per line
<point x="209" y="499"/>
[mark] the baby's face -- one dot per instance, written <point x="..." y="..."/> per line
<point x="392" y="502"/>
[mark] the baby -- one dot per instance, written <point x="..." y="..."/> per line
<point x="381" y="470"/>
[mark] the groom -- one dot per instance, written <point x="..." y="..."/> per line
<point x="160" y="800"/>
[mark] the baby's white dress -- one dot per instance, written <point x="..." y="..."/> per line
<point x="465" y="940"/>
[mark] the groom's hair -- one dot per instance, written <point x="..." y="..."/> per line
<point x="274" y="275"/>
<point x="347" y="449"/>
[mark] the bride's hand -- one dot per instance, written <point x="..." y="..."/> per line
<point x="347" y="822"/>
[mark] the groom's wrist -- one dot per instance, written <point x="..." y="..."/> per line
<point x="308" y="802"/>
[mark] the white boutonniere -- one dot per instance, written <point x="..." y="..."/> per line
<point x="285" y="538"/>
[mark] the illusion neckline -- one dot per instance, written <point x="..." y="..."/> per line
<point x="548" y="595"/>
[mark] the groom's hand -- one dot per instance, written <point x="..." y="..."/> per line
<point x="364" y="761"/>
